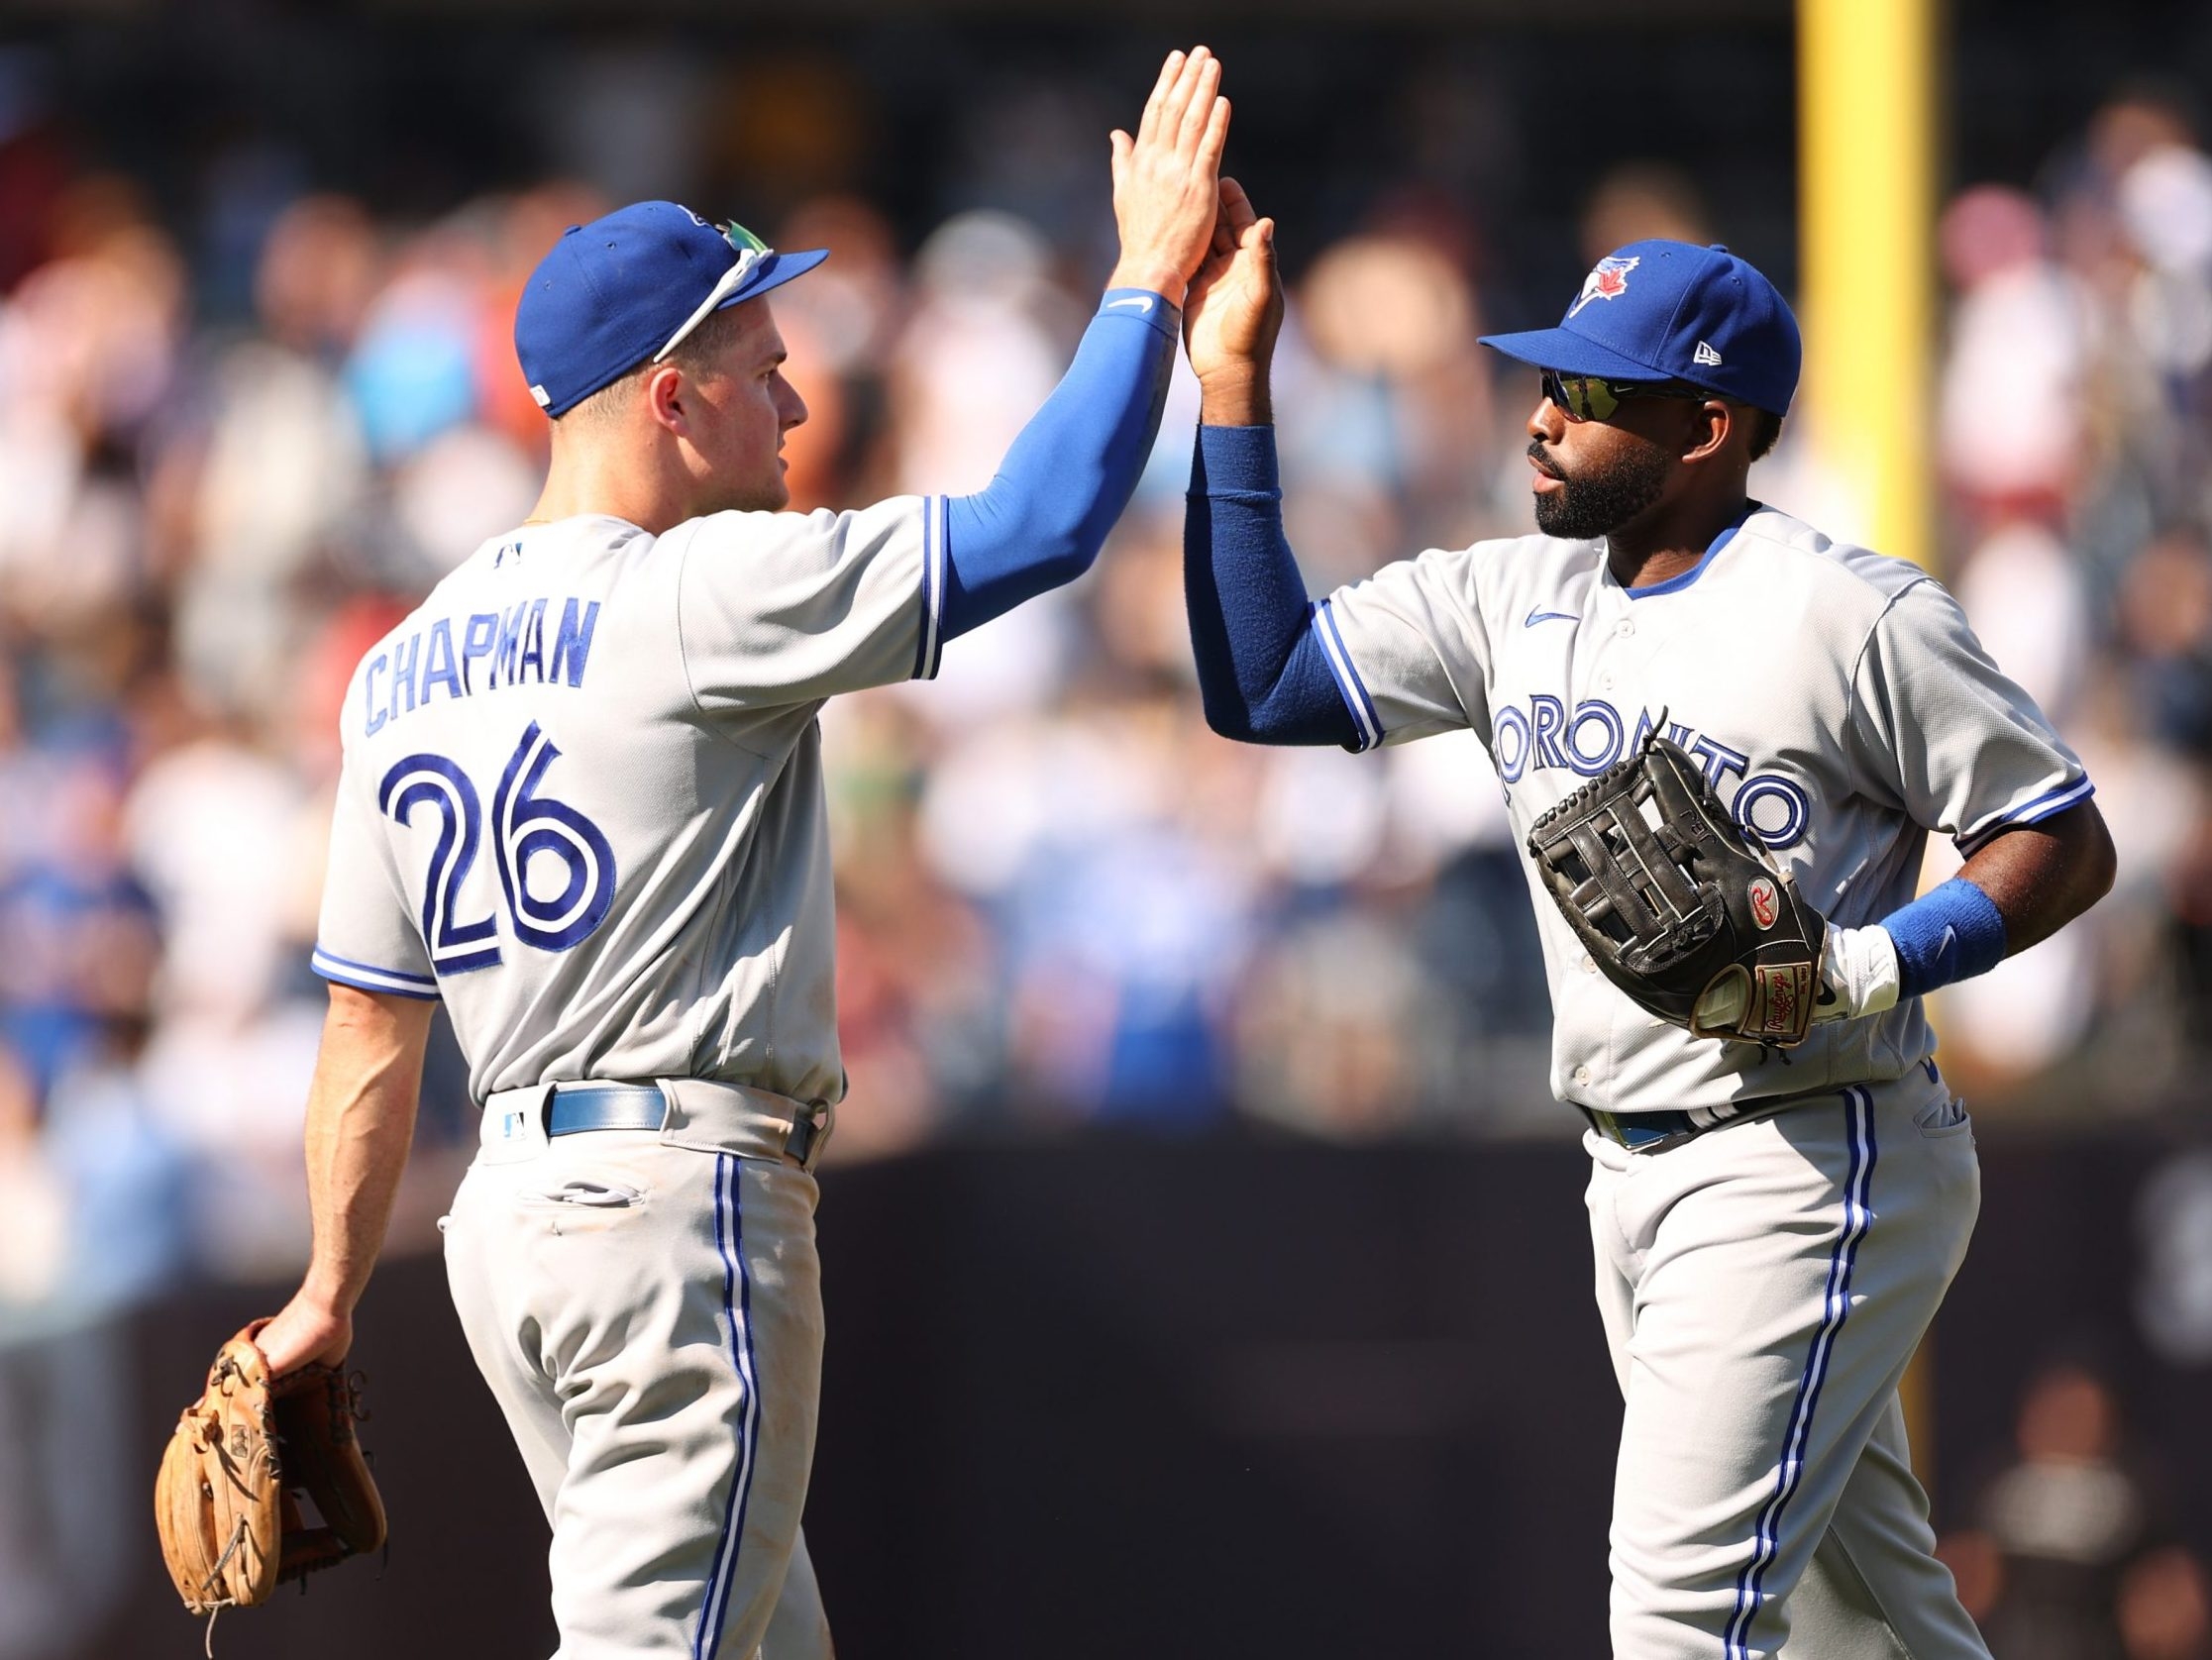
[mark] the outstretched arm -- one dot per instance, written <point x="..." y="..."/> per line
<point x="1263" y="670"/>
<point x="1072" y="469"/>
<point x="361" y="1121"/>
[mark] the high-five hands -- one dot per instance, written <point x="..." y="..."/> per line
<point x="1166" y="179"/>
<point x="1233" y="313"/>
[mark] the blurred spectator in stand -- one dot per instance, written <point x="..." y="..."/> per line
<point x="67" y="1481"/>
<point x="89" y="354"/>
<point x="36" y="1215"/>
<point x="984" y="344"/>
<point x="1638" y="200"/>
<point x="2147" y="422"/>
<point x="1402" y="400"/>
<point x="2166" y="1607"/>
<point x="847" y="321"/>
<point x="283" y="467"/>
<point x="2009" y="413"/>
<point x="2164" y="624"/>
<point x="916" y="1009"/>
<point x="2056" y="1531"/>
<point x="81" y="930"/>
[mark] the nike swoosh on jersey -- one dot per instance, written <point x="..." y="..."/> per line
<point x="1535" y="617"/>
<point x="1143" y="302"/>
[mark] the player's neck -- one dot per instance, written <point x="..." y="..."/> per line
<point x="600" y="479"/>
<point x="1670" y="538"/>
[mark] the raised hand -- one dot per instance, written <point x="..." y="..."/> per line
<point x="1233" y="313"/>
<point x="1166" y="179"/>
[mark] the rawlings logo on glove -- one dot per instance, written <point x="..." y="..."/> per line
<point x="1674" y="904"/>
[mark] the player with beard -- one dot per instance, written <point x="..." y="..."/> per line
<point x="1773" y="1229"/>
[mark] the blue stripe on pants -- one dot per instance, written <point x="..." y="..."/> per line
<point x="1836" y="1306"/>
<point x="737" y="1308"/>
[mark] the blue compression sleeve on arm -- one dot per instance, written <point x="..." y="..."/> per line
<point x="1262" y="673"/>
<point x="1948" y="934"/>
<point x="1070" y="471"/>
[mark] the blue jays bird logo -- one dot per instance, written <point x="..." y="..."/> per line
<point x="1607" y="281"/>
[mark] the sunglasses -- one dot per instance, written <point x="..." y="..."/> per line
<point x="751" y="251"/>
<point x="1592" y="397"/>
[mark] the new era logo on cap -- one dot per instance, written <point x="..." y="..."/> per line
<point x="1673" y="311"/>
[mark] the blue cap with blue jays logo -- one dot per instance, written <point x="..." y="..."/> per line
<point x="1673" y="311"/>
<point x="631" y="286"/>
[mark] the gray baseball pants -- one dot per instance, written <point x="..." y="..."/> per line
<point x="648" y="1318"/>
<point x="1762" y="1286"/>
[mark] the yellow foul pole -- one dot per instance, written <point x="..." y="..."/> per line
<point x="1866" y="187"/>
<point x="1866" y="184"/>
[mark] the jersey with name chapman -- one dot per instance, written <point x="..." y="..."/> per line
<point x="1836" y="699"/>
<point x="581" y="799"/>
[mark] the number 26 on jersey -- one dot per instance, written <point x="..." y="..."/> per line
<point x="555" y="868"/>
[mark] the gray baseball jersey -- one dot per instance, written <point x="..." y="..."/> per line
<point x="589" y="733"/>
<point x="1839" y="699"/>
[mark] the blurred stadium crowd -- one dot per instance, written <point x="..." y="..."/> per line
<point x="241" y="436"/>
<point x="234" y="449"/>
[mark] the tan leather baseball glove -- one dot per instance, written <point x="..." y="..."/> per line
<point x="227" y="1499"/>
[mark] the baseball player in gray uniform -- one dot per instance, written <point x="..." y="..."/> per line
<point x="1774" y="1229"/>
<point x="582" y="805"/>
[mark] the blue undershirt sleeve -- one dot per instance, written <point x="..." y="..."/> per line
<point x="1263" y="674"/>
<point x="1070" y="471"/>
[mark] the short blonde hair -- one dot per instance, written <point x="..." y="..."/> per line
<point x="601" y="407"/>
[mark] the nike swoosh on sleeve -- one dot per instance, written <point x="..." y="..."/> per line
<point x="1143" y="302"/>
<point x="1535" y="617"/>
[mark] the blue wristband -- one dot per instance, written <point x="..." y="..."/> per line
<point x="1950" y="934"/>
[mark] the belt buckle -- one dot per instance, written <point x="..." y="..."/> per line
<point x="1645" y="1139"/>
<point x="811" y="1127"/>
<point x="1638" y="1138"/>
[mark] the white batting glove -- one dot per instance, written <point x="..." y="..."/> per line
<point x="1858" y="973"/>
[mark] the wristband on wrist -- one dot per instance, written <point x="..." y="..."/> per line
<point x="1949" y="934"/>
<point x="1148" y="305"/>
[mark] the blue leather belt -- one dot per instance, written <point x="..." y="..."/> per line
<point x="582" y="1106"/>
<point x="605" y="1107"/>
<point x="1644" y="1132"/>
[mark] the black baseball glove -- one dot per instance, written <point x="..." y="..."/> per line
<point x="1676" y="907"/>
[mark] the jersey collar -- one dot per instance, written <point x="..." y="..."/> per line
<point x="1675" y="585"/>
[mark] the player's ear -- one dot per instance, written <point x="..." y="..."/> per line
<point x="665" y="393"/>
<point x="1710" y="431"/>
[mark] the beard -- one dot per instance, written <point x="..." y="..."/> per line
<point x="1587" y="507"/>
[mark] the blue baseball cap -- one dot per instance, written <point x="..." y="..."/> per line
<point x="1663" y="310"/>
<point x="629" y="286"/>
